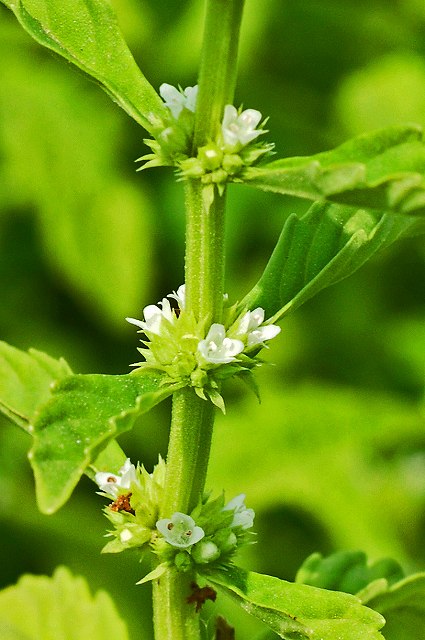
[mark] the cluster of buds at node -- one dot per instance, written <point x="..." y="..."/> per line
<point x="209" y="536"/>
<point x="134" y="509"/>
<point x="196" y="354"/>
<point x="223" y="158"/>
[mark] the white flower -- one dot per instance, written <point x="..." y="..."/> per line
<point x="180" y="530"/>
<point x="249" y="326"/>
<point x="242" y="517"/>
<point x="238" y="130"/>
<point x="176" y="100"/>
<point x="113" y="484"/>
<point x="179" y="296"/>
<point x="154" y="315"/>
<point x="218" y="349"/>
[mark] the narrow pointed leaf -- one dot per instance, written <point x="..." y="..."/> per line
<point x="403" y="606"/>
<point x="83" y="415"/>
<point x="300" y="612"/>
<point x="86" y="33"/>
<point x="42" y="608"/>
<point x="382" y="170"/>
<point x="327" y="244"/>
<point x="25" y="381"/>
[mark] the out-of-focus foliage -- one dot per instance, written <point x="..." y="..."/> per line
<point x="335" y="455"/>
<point x="42" y="608"/>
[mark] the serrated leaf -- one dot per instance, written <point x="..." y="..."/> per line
<point x="403" y="606"/>
<point x="83" y="415"/>
<point x="347" y="571"/>
<point x="327" y="244"/>
<point x="25" y="381"/>
<point x="86" y="33"/>
<point x="299" y="612"/>
<point x="43" y="608"/>
<point x="382" y="170"/>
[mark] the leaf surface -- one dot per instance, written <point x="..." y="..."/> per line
<point x="86" y="33"/>
<point x="327" y="244"/>
<point x="347" y="571"/>
<point x="382" y="170"/>
<point x="300" y="612"/>
<point x="403" y="606"/>
<point x="83" y="415"/>
<point x="25" y="381"/>
<point x="42" y="608"/>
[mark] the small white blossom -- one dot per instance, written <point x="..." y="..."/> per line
<point x="217" y="348"/>
<point x="180" y="530"/>
<point x="179" y="296"/>
<point x="113" y="484"/>
<point x="154" y="315"/>
<point x="249" y="326"/>
<point x="238" y="130"/>
<point x="176" y="100"/>
<point x="242" y="517"/>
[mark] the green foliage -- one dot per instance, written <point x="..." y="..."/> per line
<point x="382" y="170"/>
<point x="83" y="415"/>
<point x="86" y="33"/>
<point x="26" y="380"/>
<point x="403" y="606"/>
<point x="300" y="612"/>
<point x="381" y="585"/>
<point x="324" y="246"/>
<point x="347" y="571"/>
<point x="42" y="608"/>
<point x="92" y="225"/>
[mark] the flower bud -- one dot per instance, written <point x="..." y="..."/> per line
<point x="205" y="551"/>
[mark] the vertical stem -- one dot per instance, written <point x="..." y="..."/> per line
<point x="192" y="418"/>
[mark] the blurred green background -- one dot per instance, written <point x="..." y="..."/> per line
<point x="334" y="458"/>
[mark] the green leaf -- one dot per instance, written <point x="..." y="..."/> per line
<point x="84" y="414"/>
<point x="347" y="571"/>
<point x="86" y="33"/>
<point x="403" y="606"/>
<point x="383" y="170"/>
<point x="42" y="608"/>
<point x="321" y="248"/>
<point x="25" y="381"/>
<point x="299" y="612"/>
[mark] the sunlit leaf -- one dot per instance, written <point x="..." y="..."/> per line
<point x="86" y="33"/>
<point x="321" y="248"/>
<point x="25" y="381"/>
<point x="383" y="170"/>
<point x="84" y="414"/>
<point x="300" y="612"/>
<point x="403" y="606"/>
<point x="42" y="608"/>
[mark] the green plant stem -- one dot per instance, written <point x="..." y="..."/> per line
<point x="192" y="417"/>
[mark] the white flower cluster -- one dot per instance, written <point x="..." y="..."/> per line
<point x="239" y="129"/>
<point x="178" y="99"/>
<point x="155" y="315"/>
<point x="219" y="160"/>
<point x="219" y="346"/>
<point x="181" y="531"/>
<point x="114" y="484"/>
